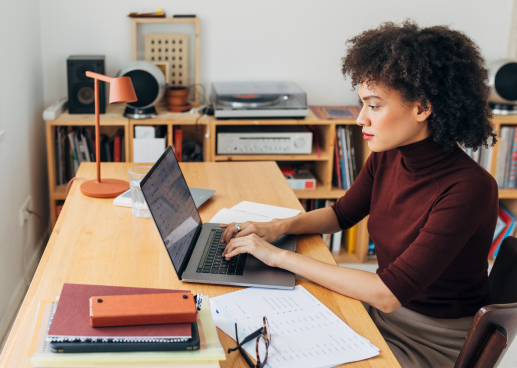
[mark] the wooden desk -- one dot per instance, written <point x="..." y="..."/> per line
<point x="95" y="242"/>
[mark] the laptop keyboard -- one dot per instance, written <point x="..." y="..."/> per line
<point x="212" y="260"/>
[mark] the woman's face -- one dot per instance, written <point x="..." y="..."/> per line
<point x="388" y="121"/>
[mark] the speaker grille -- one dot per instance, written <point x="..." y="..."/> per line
<point x="506" y="82"/>
<point x="146" y="88"/>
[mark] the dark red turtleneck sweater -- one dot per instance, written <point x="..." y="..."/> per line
<point x="432" y="219"/>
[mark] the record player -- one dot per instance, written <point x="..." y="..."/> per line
<point x="258" y="100"/>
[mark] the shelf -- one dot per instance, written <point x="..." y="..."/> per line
<point x="59" y="192"/>
<point x="319" y="193"/>
<point x="165" y="117"/>
<point x="324" y="156"/>
<point x="507" y="194"/>
<point x="311" y="119"/>
<point x="113" y="116"/>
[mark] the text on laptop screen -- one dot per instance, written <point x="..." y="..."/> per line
<point x="172" y="207"/>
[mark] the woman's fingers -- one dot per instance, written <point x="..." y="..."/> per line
<point x="235" y="247"/>
<point x="228" y="233"/>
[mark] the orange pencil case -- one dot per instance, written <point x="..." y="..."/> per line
<point x="146" y="309"/>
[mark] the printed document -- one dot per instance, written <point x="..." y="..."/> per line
<point x="304" y="332"/>
<point x="250" y="211"/>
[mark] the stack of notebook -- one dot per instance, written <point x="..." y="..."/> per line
<point x="64" y="326"/>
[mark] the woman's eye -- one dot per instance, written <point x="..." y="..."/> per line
<point x="373" y="107"/>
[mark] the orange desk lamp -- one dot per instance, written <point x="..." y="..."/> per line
<point x="121" y="92"/>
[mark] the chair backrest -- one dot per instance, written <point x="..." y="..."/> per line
<point x="494" y="327"/>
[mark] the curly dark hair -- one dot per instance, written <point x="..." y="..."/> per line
<point x="436" y="66"/>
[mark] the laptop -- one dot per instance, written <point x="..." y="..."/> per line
<point x="195" y="249"/>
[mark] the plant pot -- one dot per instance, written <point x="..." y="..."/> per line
<point x="180" y="108"/>
<point x="177" y="91"/>
<point x="177" y="101"/>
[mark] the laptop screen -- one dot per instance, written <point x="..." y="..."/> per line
<point x="171" y="206"/>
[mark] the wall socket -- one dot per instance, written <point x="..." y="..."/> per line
<point x="23" y="214"/>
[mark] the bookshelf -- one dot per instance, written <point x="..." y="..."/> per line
<point x="205" y="130"/>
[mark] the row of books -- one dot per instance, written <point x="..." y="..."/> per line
<point x="74" y="145"/>
<point x="345" y="170"/>
<point x="482" y="156"/>
<point x="340" y="241"/>
<point x="505" y="170"/>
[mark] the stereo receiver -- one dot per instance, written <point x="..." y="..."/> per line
<point x="253" y="140"/>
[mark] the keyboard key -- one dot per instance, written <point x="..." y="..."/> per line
<point x="222" y="272"/>
<point x="206" y="270"/>
<point x="199" y="270"/>
<point x="214" y="270"/>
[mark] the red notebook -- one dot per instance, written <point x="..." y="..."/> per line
<point x="72" y="318"/>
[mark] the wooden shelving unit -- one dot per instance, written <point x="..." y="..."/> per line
<point x="321" y="164"/>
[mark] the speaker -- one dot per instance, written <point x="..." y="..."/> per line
<point x="81" y="96"/>
<point x="502" y="77"/>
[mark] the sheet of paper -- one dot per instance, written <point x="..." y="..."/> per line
<point x="265" y="210"/>
<point x="304" y="332"/>
<point x="226" y="216"/>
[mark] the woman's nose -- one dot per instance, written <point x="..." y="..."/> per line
<point x="362" y="119"/>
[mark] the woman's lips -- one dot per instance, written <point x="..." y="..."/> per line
<point x="367" y="136"/>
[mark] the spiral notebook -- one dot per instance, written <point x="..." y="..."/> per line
<point x="71" y="321"/>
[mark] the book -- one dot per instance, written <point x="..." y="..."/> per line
<point x="301" y="179"/>
<point x="513" y="163"/>
<point x="349" y="155"/>
<point x="117" y="153"/>
<point x="73" y="153"/>
<point x="72" y="319"/>
<point x="500" y="225"/>
<point x="351" y="238"/>
<point x="336" y="242"/>
<point x="178" y="143"/>
<point x="344" y="161"/>
<point x="509" y="220"/>
<point x="371" y="249"/>
<point x="508" y="156"/>
<point x="340" y="157"/>
<point x="336" y="162"/>
<point x="208" y="356"/>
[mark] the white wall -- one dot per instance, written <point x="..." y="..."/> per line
<point x="22" y="151"/>
<point x="298" y="40"/>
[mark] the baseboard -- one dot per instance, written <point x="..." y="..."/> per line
<point x="18" y="295"/>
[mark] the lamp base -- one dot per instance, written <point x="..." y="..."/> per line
<point x="140" y="113"/>
<point x="107" y="188"/>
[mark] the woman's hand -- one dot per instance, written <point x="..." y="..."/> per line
<point x="254" y="245"/>
<point x="269" y="231"/>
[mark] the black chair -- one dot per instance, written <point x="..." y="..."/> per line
<point x="494" y="326"/>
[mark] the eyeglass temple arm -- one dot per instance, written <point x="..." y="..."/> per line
<point x="242" y="351"/>
<point x="248" y="338"/>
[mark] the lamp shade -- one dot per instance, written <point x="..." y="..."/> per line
<point x="122" y="91"/>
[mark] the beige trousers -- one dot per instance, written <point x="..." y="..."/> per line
<point x="421" y="341"/>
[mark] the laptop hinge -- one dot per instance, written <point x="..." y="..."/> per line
<point x="191" y="247"/>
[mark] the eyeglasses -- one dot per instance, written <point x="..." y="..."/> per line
<point x="263" y="336"/>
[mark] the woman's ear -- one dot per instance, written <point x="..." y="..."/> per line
<point x="423" y="112"/>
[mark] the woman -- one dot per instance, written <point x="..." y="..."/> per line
<point x="433" y="210"/>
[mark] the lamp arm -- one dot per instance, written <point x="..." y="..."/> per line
<point x="98" y="76"/>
